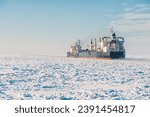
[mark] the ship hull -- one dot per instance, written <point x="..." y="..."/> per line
<point x="115" y="55"/>
<point x="94" y="54"/>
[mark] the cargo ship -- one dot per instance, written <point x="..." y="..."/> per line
<point x="106" y="47"/>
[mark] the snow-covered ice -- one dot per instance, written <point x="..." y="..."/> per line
<point x="64" y="78"/>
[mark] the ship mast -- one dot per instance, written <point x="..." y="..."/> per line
<point x="95" y="45"/>
<point x="92" y="46"/>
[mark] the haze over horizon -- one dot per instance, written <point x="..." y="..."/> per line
<point x="49" y="27"/>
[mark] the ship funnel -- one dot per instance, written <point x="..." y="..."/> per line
<point x="113" y="34"/>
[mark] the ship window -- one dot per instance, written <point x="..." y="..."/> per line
<point x="113" y="41"/>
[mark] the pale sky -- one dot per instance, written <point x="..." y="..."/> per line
<point x="49" y="27"/>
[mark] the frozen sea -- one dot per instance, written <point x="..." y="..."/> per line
<point x="61" y="78"/>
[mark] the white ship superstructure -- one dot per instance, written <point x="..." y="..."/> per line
<point x="107" y="47"/>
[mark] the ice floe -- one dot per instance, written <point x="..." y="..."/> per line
<point x="64" y="78"/>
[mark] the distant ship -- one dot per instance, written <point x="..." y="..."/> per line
<point x="106" y="47"/>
